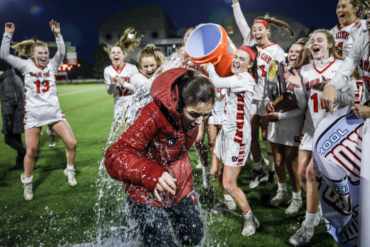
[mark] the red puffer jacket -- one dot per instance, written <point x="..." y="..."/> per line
<point x="154" y="143"/>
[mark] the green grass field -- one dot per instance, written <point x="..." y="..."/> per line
<point x="62" y="215"/>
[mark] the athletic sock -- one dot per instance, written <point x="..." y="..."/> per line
<point x="269" y="155"/>
<point x="297" y="195"/>
<point x="70" y="167"/>
<point x="26" y="180"/>
<point x="206" y="171"/>
<point x="228" y="198"/>
<point x="282" y="186"/>
<point x="310" y="218"/>
<point x="247" y="214"/>
<point x="257" y="166"/>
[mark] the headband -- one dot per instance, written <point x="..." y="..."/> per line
<point x="265" y="23"/>
<point x="249" y="51"/>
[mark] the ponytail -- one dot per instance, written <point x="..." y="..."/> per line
<point x="254" y="69"/>
<point x="278" y="23"/>
<point x="26" y="47"/>
<point x="127" y="42"/>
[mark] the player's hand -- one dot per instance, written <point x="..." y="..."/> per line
<point x="205" y="66"/>
<point x="270" y="107"/>
<point x="361" y="111"/>
<point x="55" y="28"/>
<point x="293" y="79"/>
<point x="235" y="1"/>
<point x="321" y="85"/>
<point x="328" y="97"/>
<point x="358" y="24"/>
<point x="119" y="80"/>
<point x="272" y="116"/>
<point x="165" y="183"/>
<point x="9" y="27"/>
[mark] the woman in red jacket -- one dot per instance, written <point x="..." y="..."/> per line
<point x="151" y="158"/>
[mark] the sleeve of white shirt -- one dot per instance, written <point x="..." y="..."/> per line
<point x="237" y="83"/>
<point x="346" y="96"/>
<point x="300" y="94"/>
<point x="16" y="62"/>
<point x="292" y="113"/>
<point x="280" y="56"/>
<point x="138" y="80"/>
<point x="110" y="86"/>
<point x="348" y="66"/>
<point x="57" y="60"/>
<point x="242" y="25"/>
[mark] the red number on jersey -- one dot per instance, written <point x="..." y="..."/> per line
<point x="123" y="92"/>
<point x="316" y="103"/>
<point x="262" y="67"/>
<point x="45" y="85"/>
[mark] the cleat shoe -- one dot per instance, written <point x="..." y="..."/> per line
<point x="295" y="205"/>
<point x="257" y="175"/>
<point x="52" y="140"/>
<point x="319" y="217"/>
<point x="279" y="198"/>
<point x="250" y="225"/>
<point x="71" y="177"/>
<point x="199" y="166"/>
<point x="302" y="236"/>
<point x="28" y="193"/>
<point x="271" y="181"/>
<point x="224" y="207"/>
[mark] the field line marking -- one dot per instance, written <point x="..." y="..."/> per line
<point x="81" y="91"/>
<point x="91" y="103"/>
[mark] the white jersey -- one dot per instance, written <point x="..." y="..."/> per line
<point x="339" y="163"/>
<point x="219" y="104"/>
<point x="312" y="74"/>
<point x="121" y="94"/>
<point x="41" y="99"/>
<point x="139" y="79"/>
<point x="265" y="54"/>
<point x="345" y="37"/>
<point x="360" y="56"/>
<point x="236" y="120"/>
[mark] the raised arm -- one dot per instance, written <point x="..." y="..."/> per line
<point x="242" y="23"/>
<point x="16" y="62"/>
<point x="57" y="60"/>
<point x="218" y="81"/>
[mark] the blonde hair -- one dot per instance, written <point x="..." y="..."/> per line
<point x="127" y="42"/>
<point x="152" y="51"/>
<point x="26" y="47"/>
<point x="333" y="50"/>
<point x="277" y="23"/>
<point x="363" y="7"/>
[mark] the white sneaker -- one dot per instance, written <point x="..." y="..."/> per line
<point x="28" y="193"/>
<point x="319" y="217"/>
<point x="71" y="177"/>
<point x="302" y="236"/>
<point x="295" y="205"/>
<point x="250" y="225"/>
<point x="224" y="207"/>
<point x="257" y="175"/>
<point x="199" y="166"/>
<point x="279" y="198"/>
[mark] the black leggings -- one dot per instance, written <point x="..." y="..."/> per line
<point x="15" y="142"/>
<point x="153" y="222"/>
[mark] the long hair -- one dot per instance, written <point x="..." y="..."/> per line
<point x="195" y="89"/>
<point x="363" y="7"/>
<point x="330" y="38"/>
<point x="306" y="52"/>
<point x="277" y="23"/>
<point x="151" y="51"/>
<point x="127" y="42"/>
<point x="254" y="69"/>
<point x="26" y="47"/>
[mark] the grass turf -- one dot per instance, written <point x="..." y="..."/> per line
<point x="62" y="215"/>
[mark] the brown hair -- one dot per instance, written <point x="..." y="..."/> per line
<point x="363" y="7"/>
<point x="26" y="47"/>
<point x="278" y="23"/>
<point x="333" y="50"/>
<point x="126" y="43"/>
<point x="195" y="89"/>
<point x="152" y="51"/>
<point x="306" y="51"/>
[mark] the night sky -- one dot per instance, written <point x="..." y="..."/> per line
<point x="80" y="18"/>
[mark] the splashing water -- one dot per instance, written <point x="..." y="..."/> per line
<point x="115" y="227"/>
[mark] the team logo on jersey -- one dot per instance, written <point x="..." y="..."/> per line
<point x="171" y="142"/>
<point x="234" y="159"/>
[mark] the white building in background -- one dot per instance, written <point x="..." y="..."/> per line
<point x="153" y="25"/>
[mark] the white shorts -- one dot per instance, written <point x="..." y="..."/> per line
<point x="283" y="137"/>
<point x="306" y="142"/>
<point x="258" y="108"/>
<point x="43" y="117"/>
<point x="215" y="118"/>
<point x="230" y="152"/>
